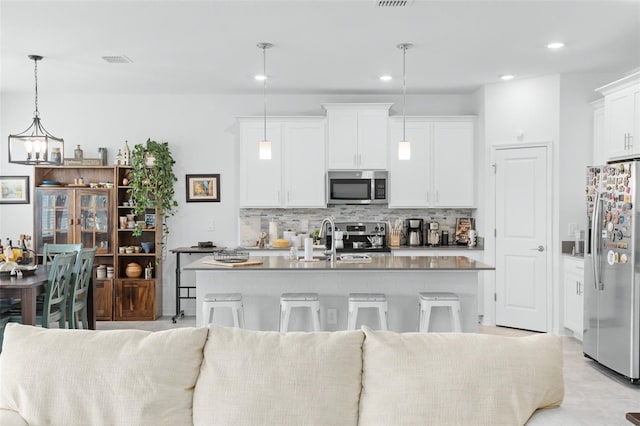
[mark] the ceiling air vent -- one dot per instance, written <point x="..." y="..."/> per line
<point x="393" y="3"/>
<point x="122" y="59"/>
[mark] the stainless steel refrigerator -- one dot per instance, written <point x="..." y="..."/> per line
<point x="612" y="268"/>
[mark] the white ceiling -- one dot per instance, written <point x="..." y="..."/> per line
<point x="320" y="46"/>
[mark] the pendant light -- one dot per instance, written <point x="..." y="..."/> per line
<point x="404" y="146"/>
<point x="265" y="144"/>
<point x="35" y="145"/>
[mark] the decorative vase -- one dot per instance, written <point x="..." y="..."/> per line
<point x="147" y="246"/>
<point x="133" y="270"/>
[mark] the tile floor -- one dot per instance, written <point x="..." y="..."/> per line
<point x="593" y="395"/>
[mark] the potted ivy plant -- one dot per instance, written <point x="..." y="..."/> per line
<point x="151" y="180"/>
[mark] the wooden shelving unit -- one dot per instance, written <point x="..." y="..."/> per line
<point x="71" y="213"/>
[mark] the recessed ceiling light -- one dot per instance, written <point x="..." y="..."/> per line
<point x="555" y="45"/>
<point x="260" y="77"/>
<point x="386" y="78"/>
<point x="506" y="77"/>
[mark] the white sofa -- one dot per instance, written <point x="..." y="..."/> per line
<point x="222" y="376"/>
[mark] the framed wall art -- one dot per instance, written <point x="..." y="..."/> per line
<point x="14" y="189"/>
<point x="203" y="188"/>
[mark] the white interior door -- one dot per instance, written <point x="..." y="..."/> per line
<point x="522" y="219"/>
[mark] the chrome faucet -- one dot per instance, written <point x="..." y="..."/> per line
<point x="330" y="220"/>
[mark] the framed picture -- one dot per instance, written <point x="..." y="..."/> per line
<point x="14" y="189"/>
<point x="150" y="220"/>
<point x="203" y="188"/>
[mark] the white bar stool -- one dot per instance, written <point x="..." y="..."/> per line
<point x="431" y="300"/>
<point x="288" y="301"/>
<point x="223" y="300"/>
<point x="367" y="300"/>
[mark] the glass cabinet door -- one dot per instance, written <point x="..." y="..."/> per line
<point x="93" y="222"/>
<point x="53" y="219"/>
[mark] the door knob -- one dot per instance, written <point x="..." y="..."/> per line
<point x="539" y="248"/>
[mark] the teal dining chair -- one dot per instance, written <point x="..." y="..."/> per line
<point x="79" y="289"/>
<point x="50" y="250"/>
<point x="55" y="295"/>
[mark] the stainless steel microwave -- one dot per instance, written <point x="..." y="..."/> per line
<point x="357" y="187"/>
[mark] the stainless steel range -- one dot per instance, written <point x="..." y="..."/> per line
<point x="360" y="237"/>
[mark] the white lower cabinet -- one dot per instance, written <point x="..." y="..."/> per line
<point x="574" y="295"/>
<point x="295" y="174"/>
<point x="440" y="172"/>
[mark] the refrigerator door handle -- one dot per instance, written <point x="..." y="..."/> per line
<point x="595" y="237"/>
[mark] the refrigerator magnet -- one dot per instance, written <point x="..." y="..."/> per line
<point x="611" y="257"/>
<point x="610" y="226"/>
<point x="623" y="258"/>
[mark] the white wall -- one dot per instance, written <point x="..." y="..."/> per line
<point x="551" y="108"/>
<point x="520" y="112"/>
<point x="202" y="132"/>
<point x="576" y="151"/>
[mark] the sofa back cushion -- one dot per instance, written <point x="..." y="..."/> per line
<point x="260" y="377"/>
<point x="458" y="378"/>
<point x="81" y="377"/>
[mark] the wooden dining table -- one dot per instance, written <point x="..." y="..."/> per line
<point x="29" y="287"/>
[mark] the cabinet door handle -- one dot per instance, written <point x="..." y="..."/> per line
<point x="355" y="160"/>
<point x="428" y="196"/>
<point x="288" y="196"/>
<point x="626" y="142"/>
<point x="71" y="222"/>
<point x="578" y="288"/>
<point x="630" y="138"/>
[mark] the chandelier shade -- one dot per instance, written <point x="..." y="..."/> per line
<point x="36" y="145"/>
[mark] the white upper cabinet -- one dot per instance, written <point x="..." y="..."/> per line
<point x="453" y="165"/>
<point x="295" y="174"/>
<point x="410" y="180"/>
<point x="304" y="171"/>
<point x="441" y="170"/>
<point x="622" y="117"/>
<point x="357" y="136"/>
<point x="260" y="180"/>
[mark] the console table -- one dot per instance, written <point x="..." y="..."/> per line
<point x="189" y="288"/>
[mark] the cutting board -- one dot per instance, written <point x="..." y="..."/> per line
<point x="233" y="265"/>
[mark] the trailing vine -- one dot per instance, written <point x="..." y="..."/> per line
<point x="152" y="184"/>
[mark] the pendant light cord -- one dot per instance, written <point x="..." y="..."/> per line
<point x="264" y="88"/>
<point x="35" y="72"/>
<point x="404" y="92"/>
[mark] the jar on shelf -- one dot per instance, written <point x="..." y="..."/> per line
<point x="133" y="270"/>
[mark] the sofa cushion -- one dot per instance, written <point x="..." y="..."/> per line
<point x="82" y="377"/>
<point x="11" y="418"/>
<point x="458" y="378"/>
<point x="268" y="378"/>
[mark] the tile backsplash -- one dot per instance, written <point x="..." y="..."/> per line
<point x="252" y="221"/>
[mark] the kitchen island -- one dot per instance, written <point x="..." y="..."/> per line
<point x="400" y="278"/>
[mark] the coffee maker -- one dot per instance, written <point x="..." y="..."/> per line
<point x="414" y="232"/>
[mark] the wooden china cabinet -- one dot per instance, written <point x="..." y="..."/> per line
<point x="66" y="211"/>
